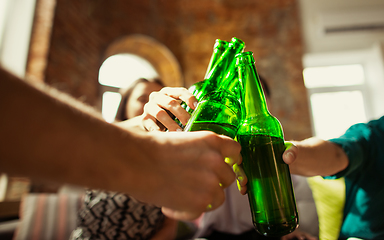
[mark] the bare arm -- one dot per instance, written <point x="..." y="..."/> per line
<point x="314" y="156"/>
<point x="51" y="136"/>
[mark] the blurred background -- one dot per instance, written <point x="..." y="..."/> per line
<point x="322" y="59"/>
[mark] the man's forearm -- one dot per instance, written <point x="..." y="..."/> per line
<point x="57" y="138"/>
<point x="49" y="138"/>
<point x="318" y="157"/>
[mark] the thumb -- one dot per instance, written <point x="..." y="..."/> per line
<point x="290" y="153"/>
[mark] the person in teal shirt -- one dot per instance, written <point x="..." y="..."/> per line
<point x="358" y="156"/>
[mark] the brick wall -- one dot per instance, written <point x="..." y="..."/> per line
<point x="82" y="31"/>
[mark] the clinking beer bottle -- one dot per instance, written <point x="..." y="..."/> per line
<point x="219" y="110"/>
<point x="218" y="49"/>
<point x="219" y="70"/>
<point x="260" y="135"/>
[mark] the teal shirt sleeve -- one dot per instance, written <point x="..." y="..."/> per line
<point x="359" y="143"/>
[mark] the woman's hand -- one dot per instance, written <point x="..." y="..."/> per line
<point x="164" y="105"/>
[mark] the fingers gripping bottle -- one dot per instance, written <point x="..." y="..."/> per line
<point x="260" y="135"/>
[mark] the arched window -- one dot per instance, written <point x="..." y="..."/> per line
<point x="130" y="58"/>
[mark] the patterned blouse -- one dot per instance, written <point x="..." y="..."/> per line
<point x="110" y="215"/>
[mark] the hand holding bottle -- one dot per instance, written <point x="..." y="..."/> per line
<point x="199" y="158"/>
<point x="315" y="157"/>
<point x="163" y="105"/>
<point x="289" y="157"/>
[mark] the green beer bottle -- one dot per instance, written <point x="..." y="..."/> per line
<point x="260" y="135"/>
<point x="218" y="71"/>
<point x="218" y="48"/>
<point x="219" y="110"/>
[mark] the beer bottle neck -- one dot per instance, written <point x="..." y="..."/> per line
<point x="216" y="76"/>
<point x="219" y="48"/>
<point x="225" y="61"/>
<point x="253" y="96"/>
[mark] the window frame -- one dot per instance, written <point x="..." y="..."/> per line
<point x="368" y="58"/>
